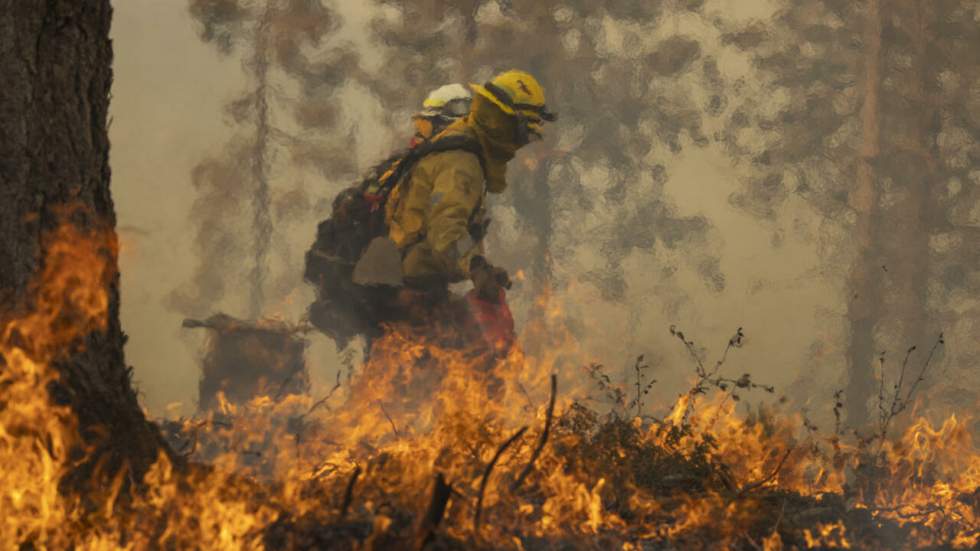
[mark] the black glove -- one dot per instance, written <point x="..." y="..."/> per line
<point x="488" y="280"/>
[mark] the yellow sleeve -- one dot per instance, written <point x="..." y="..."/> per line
<point x="456" y="192"/>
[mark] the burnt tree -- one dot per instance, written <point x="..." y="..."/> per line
<point x="56" y="57"/>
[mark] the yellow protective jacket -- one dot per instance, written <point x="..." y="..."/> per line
<point x="431" y="212"/>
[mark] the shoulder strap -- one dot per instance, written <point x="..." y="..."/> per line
<point x="413" y="156"/>
<point x="450" y="143"/>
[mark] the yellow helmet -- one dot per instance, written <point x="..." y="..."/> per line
<point x="518" y="93"/>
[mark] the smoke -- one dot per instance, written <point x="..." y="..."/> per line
<point x="223" y="190"/>
<point x="584" y="204"/>
<point x="697" y="174"/>
<point x="270" y="38"/>
<point x="856" y="113"/>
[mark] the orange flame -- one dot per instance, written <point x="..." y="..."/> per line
<point x="418" y="407"/>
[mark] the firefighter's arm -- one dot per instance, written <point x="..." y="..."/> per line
<point x="456" y="193"/>
<point x="489" y="281"/>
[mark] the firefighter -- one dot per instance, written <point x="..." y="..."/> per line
<point x="437" y="216"/>
<point x="441" y="107"/>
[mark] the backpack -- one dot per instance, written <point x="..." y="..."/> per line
<point x="344" y="309"/>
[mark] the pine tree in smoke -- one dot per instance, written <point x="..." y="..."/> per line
<point x="863" y="112"/>
<point x="282" y="44"/>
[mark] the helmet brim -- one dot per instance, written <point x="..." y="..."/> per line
<point x="482" y="90"/>
<point x="531" y="110"/>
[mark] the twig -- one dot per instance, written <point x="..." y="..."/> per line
<point x="706" y="379"/>
<point x="636" y="368"/>
<point x="318" y="403"/>
<point x="323" y="400"/>
<point x="702" y="372"/>
<point x="896" y="399"/>
<point x="882" y="415"/>
<point x="486" y="476"/>
<point x="766" y="480"/>
<point x="289" y="378"/>
<point x="349" y="492"/>
<point x="393" y="427"/>
<point x="899" y="404"/>
<point x="530" y="402"/>
<point x="838" y="406"/>
<point x="542" y="440"/>
<point x="922" y="372"/>
<point x="641" y="388"/>
<point x="441" y="492"/>
<point x="734" y="342"/>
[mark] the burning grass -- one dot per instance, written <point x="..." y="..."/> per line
<point x="439" y="447"/>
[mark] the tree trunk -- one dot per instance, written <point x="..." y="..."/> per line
<point x="912" y="149"/>
<point x="864" y="289"/>
<point x="261" y="218"/>
<point x="532" y="201"/>
<point x="54" y="151"/>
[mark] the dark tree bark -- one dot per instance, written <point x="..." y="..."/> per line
<point x="55" y="58"/>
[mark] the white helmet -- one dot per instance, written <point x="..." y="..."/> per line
<point x="451" y="101"/>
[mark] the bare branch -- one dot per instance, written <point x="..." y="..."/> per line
<point x="486" y="477"/>
<point x="388" y="417"/>
<point x="899" y="404"/>
<point x="922" y="372"/>
<point x="750" y="487"/>
<point x="323" y="400"/>
<point x="349" y="492"/>
<point x="544" y="436"/>
<point x="441" y="491"/>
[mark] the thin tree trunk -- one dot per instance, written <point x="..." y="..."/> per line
<point x="533" y="202"/>
<point x="261" y="218"/>
<point x="56" y="59"/>
<point x="916" y="214"/>
<point x="863" y="283"/>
